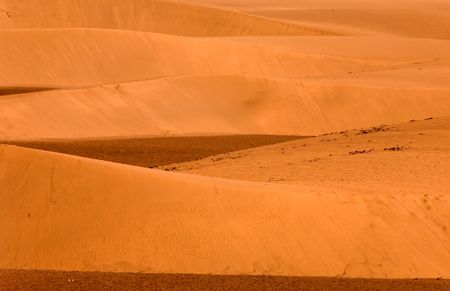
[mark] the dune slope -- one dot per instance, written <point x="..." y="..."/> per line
<point x="162" y="16"/>
<point x="366" y="21"/>
<point x="80" y="57"/>
<point x="279" y="87"/>
<point x="226" y="104"/>
<point x="349" y="17"/>
<point x="77" y="214"/>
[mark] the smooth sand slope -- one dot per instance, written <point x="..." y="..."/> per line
<point x="67" y="213"/>
<point x="400" y="48"/>
<point x="255" y="85"/>
<point x="162" y="16"/>
<point x="349" y="17"/>
<point x="216" y="104"/>
<point x="79" y="57"/>
<point x="363" y="21"/>
<point x="87" y="57"/>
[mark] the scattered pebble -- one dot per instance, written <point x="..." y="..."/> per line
<point x="395" y="149"/>
<point x="360" y="152"/>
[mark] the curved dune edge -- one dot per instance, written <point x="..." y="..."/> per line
<point x="215" y="104"/>
<point x="87" y="57"/>
<point x="368" y="21"/>
<point x="350" y="17"/>
<point x="162" y="16"/>
<point x="364" y="47"/>
<point x="61" y="212"/>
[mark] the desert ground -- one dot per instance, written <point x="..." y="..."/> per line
<point x="225" y="144"/>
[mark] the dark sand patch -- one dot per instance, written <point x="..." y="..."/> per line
<point x="12" y="90"/>
<point x="58" y="280"/>
<point x="159" y="151"/>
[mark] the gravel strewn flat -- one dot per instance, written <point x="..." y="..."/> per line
<point x="58" y="280"/>
<point x="158" y="151"/>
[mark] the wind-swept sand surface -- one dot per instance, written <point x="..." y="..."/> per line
<point x="347" y="17"/>
<point x="367" y="197"/>
<point x="162" y="16"/>
<point x="87" y="57"/>
<point x="69" y="213"/>
<point x="122" y="83"/>
<point x="215" y="104"/>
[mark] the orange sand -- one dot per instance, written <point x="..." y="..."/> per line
<point x="335" y="205"/>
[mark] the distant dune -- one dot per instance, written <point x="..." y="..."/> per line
<point x="249" y="88"/>
<point x="86" y="57"/>
<point x="365" y="21"/>
<point x="162" y="16"/>
<point x="215" y="105"/>
<point x="347" y="17"/>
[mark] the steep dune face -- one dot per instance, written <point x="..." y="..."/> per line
<point x="77" y="57"/>
<point x="170" y="17"/>
<point x="217" y="104"/>
<point x="79" y="214"/>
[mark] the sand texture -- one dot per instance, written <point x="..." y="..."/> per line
<point x="14" y="280"/>
<point x="122" y="218"/>
<point x="156" y="151"/>
<point x="303" y="139"/>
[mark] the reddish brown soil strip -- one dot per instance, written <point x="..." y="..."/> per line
<point x="11" y="90"/>
<point x="56" y="280"/>
<point x="153" y="152"/>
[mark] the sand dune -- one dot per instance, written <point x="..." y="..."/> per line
<point x="318" y="4"/>
<point x="162" y="16"/>
<point x="362" y="47"/>
<point x="218" y="104"/>
<point x="366" y="201"/>
<point x="398" y="22"/>
<point x="285" y="86"/>
<point x="79" y="57"/>
<point x="79" y="214"/>
<point x="348" y="17"/>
